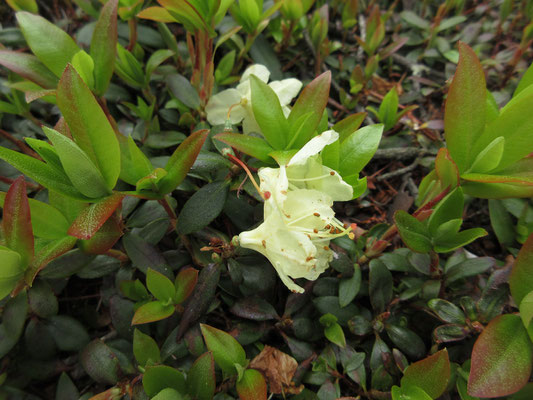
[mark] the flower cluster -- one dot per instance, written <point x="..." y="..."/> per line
<point x="298" y="219"/>
<point x="235" y="105"/>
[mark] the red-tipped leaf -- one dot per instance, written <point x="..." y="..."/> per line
<point x="185" y="284"/>
<point x="252" y="386"/>
<point x="17" y="221"/>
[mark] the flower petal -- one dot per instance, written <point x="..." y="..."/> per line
<point x="314" y="146"/>
<point x="258" y="70"/>
<point x="218" y="106"/>
<point x="307" y="210"/>
<point x="287" y="89"/>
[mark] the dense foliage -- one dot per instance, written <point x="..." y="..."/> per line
<point x="298" y="199"/>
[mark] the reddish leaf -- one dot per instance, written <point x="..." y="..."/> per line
<point x="313" y="98"/>
<point x="430" y="374"/>
<point x="181" y="161"/>
<point x="501" y="358"/>
<point x="464" y="116"/>
<point x="349" y="125"/>
<point x="28" y="66"/>
<point x="252" y="386"/>
<point x="104" y="239"/>
<point x="17" y="221"/>
<point x="185" y="284"/>
<point x="521" y="279"/>
<point x="91" y="219"/>
<point x="446" y="169"/>
<point x="51" y="251"/>
<point x="104" y="46"/>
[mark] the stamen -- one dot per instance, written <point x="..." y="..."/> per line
<point x="230" y="109"/>
<point x="311" y="179"/>
<point x="243" y="166"/>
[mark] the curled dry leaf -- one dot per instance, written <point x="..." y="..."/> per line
<point x="278" y="369"/>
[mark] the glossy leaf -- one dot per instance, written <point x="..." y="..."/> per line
<point x="414" y="233"/>
<point x="82" y="172"/>
<point x="100" y="362"/>
<point x="16" y="223"/>
<point x="380" y="285"/>
<point x="104" y="46"/>
<point x="525" y="81"/>
<point x="88" y="125"/>
<point x="201" y="382"/>
<point x="159" y="14"/>
<point x="461" y="239"/>
<point x="446" y="169"/>
<point x="313" y="98"/>
<point x="28" y="66"/>
<point x="104" y="239"/>
<point x="521" y="278"/>
<point x="185" y="283"/>
<point x="181" y="161"/>
<point x="501" y="358"/>
<point x="349" y="125"/>
<point x="268" y="113"/>
<point x="526" y="313"/>
<point x="449" y="208"/>
<point x="152" y="311"/>
<point x="91" y="219"/>
<point x="464" y="115"/>
<point x="251" y="145"/>
<point x="160" y="377"/>
<point x="489" y="158"/>
<point x="409" y="393"/>
<point x="38" y="31"/>
<point x="202" y="207"/>
<point x="358" y="148"/>
<point x="226" y="350"/>
<point x="430" y="374"/>
<point x="252" y="386"/>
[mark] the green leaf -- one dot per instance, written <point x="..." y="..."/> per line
<point x="104" y="46"/>
<point x="202" y="207"/>
<point x="407" y="341"/>
<point x="84" y="65"/>
<point x="181" y="161"/>
<point x="409" y="393"/>
<point x="159" y="14"/>
<point x="313" y="98"/>
<point x="521" y="278"/>
<point x="201" y="382"/>
<point x="414" y="20"/>
<point x="168" y="394"/>
<point x="66" y="390"/>
<point x="525" y="81"/>
<point x="89" y="126"/>
<point x="151" y="312"/>
<point x="161" y="377"/>
<point x="28" y="66"/>
<point x="461" y="239"/>
<point x="489" y="158"/>
<point x="45" y="174"/>
<point x="134" y="165"/>
<point x="430" y="374"/>
<point x="335" y="334"/>
<point x="501" y="358"/>
<point x="16" y="223"/>
<point x="100" y="363"/>
<point x="349" y="125"/>
<point x="37" y="31"/>
<point x="160" y="286"/>
<point x="388" y="109"/>
<point x="91" y="219"/>
<point x="11" y="272"/>
<point x="226" y="350"/>
<point x="501" y="222"/>
<point x="414" y="233"/>
<point x="514" y="123"/>
<point x="447" y="311"/>
<point x="185" y="284"/>
<point x="268" y="113"/>
<point x="446" y="169"/>
<point x="349" y="287"/>
<point x="82" y="172"/>
<point x="449" y="208"/>
<point x="13" y="321"/>
<point x="145" y="349"/>
<point x="47" y="222"/>
<point x="252" y="386"/>
<point x="464" y="115"/>
<point x="526" y="313"/>
<point x="24" y="5"/>
<point x="182" y="89"/>
<point x="157" y="58"/>
<point x="380" y="285"/>
<point x="251" y="145"/>
<point x="69" y="334"/>
<point x="358" y="148"/>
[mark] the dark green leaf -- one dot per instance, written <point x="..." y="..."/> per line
<point x="160" y="377"/>
<point x="100" y="363"/>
